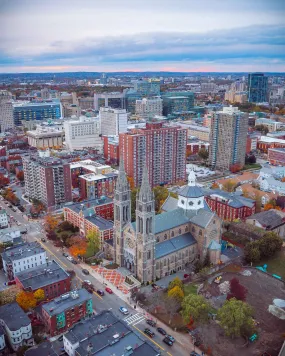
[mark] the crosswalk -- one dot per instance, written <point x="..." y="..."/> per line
<point x="134" y="319"/>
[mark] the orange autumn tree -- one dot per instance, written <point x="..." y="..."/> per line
<point x="39" y="295"/>
<point x="215" y="186"/>
<point x="26" y="300"/>
<point x="20" y="176"/>
<point x="78" y="246"/>
<point x="131" y="182"/>
<point x="50" y="223"/>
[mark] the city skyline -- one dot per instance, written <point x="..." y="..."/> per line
<point x="186" y="36"/>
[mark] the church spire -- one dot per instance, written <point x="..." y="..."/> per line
<point x="145" y="193"/>
<point x="191" y="178"/>
<point x="122" y="181"/>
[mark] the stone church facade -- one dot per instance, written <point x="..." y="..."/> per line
<point x="156" y="245"/>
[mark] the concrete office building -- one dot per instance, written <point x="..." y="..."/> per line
<point x="163" y="147"/>
<point x="257" y="88"/>
<point x="113" y="121"/>
<point x="17" y="326"/>
<point x="86" y="103"/>
<point x="114" y="100"/>
<point x="147" y="108"/>
<point x="36" y="111"/>
<point x="228" y="138"/>
<point x="6" y="111"/>
<point x="45" y="137"/>
<point x="22" y="257"/>
<point x="82" y="133"/>
<point x="47" y="179"/>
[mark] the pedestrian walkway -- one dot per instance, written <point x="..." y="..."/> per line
<point x="112" y="276"/>
<point x="134" y="319"/>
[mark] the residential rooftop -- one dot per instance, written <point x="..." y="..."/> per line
<point x="87" y="206"/>
<point x="22" y="251"/>
<point x="14" y="316"/>
<point x="66" y="301"/>
<point x="105" y="335"/>
<point x="42" y="275"/>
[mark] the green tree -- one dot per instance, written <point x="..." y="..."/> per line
<point x="269" y="244"/>
<point x="176" y="293"/>
<point x="204" y="154"/>
<point x="176" y="282"/>
<point x="195" y="307"/>
<point x="235" y="317"/>
<point x="94" y="242"/>
<point x="251" y="253"/>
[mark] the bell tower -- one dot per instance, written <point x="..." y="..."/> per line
<point x="122" y="212"/>
<point x="145" y="215"/>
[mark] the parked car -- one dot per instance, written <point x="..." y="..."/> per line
<point x="171" y="338"/>
<point x="168" y="341"/>
<point x="149" y="333"/>
<point x="108" y="290"/>
<point x="88" y="282"/>
<point x="124" y="310"/>
<point x="161" y="331"/>
<point x="10" y="283"/>
<point x="69" y="258"/>
<point x="151" y="322"/>
<point x="64" y="254"/>
<point x="85" y="271"/>
<point x="193" y="353"/>
<point x="74" y="262"/>
<point x="43" y="239"/>
<point x="100" y="292"/>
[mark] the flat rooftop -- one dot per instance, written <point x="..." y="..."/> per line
<point x="42" y="276"/>
<point x="66" y="301"/>
<point x="88" y="205"/>
<point x="267" y="139"/>
<point x="107" y="335"/>
<point x="22" y="251"/>
<point x="14" y="316"/>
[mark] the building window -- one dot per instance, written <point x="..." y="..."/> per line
<point x="165" y="236"/>
<point x="200" y="232"/>
<point x="193" y="229"/>
<point x="179" y="231"/>
<point x="148" y="255"/>
<point x="172" y="234"/>
<point x="191" y="203"/>
<point x="186" y="228"/>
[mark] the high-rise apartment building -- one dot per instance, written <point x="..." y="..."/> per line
<point x="228" y="138"/>
<point x="113" y="121"/>
<point x="257" y="88"/>
<point x="6" y="111"/>
<point x="36" y="111"/>
<point x="162" y="147"/>
<point x="148" y="108"/>
<point x="47" y="179"/>
<point x="82" y="133"/>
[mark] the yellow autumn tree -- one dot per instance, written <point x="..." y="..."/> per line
<point x="50" y="222"/>
<point x="39" y="295"/>
<point x="26" y="300"/>
<point x="176" y="293"/>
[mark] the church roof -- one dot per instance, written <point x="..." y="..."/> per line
<point x="169" y="220"/>
<point x="191" y="192"/>
<point x="169" y="204"/>
<point x="177" y="243"/>
<point x="202" y="217"/>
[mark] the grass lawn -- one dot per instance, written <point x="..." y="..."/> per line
<point x="275" y="265"/>
<point x="190" y="289"/>
<point x="251" y="166"/>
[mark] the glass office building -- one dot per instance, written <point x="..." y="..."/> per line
<point x="177" y="102"/>
<point x="257" y="88"/>
<point x="40" y="111"/>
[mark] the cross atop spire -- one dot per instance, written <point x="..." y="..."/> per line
<point x="145" y="193"/>
<point x="122" y="181"/>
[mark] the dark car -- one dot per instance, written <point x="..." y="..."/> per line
<point x="149" y="333"/>
<point x="85" y="271"/>
<point x="168" y="341"/>
<point x="74" y="262"/>
<point x="193" y="353"/>
<point x="43" y="239"/>
<point x="161" y="331"/>
<point x="171" y="338"/>
<point x="100" y="292"/>
<point x="65" y="254"/>
<point x="150" y="322"/>
<point x="60" y="338"/>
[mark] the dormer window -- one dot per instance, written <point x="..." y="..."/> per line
<point x="191" y="203"/>
<point x="182" y="201"/>
<point x="199" y="202"/>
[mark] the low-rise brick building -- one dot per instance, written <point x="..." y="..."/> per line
<point x="50" y="277"/>
<point x="61" y="313"/>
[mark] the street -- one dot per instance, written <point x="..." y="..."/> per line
<point x="135" y="319"/>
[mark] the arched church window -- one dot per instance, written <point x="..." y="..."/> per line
<point x="182" y="201"/>
<point x="214" y="221"/>
<point x="157" y="239"/>
<point x="199" y="202"/>
<point x="179" y="231"/>
<point x="186" y="228"/>
<point x="165" y="237"/>
<point x="146" y="223"/>
<point x="149" y="208"/>
<point x="200" y="232"/>
<point x="164" y="263"/>
<point x="172" y="234"/>
<point x="191" y="203"/>
<point x="150" y="225"/>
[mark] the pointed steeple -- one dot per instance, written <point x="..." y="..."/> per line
<point x="191" y="178"/>
<point x="122" y="181"/>
<point x="145" y="193"/>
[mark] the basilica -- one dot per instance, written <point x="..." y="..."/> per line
<point x="156" y="245"/>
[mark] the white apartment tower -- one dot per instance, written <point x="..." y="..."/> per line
<point x="113" y="121"/>
<point x="6" y="111"/>
<point x="148" y="108"/>
<point x="81" y="133"/>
